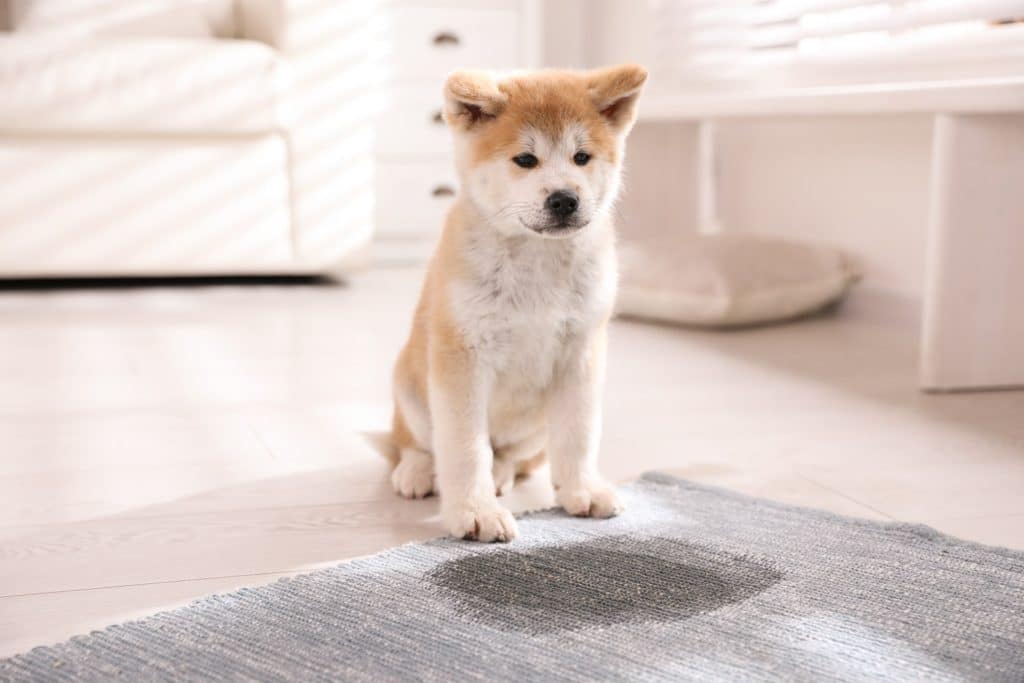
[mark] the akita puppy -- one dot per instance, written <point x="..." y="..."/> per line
<point x="505" y="363"/>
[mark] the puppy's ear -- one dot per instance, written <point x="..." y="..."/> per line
<point x="614" y="91"/>
<point x="471" y="99"/>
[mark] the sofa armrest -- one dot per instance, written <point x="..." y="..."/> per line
<point x="334" y="53"/>
<point x="5" y="15"/>
<point x="297" y="25"/>
<point x="264" y="21"/>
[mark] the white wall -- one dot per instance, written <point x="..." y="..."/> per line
<point x="659" y="190"/>
<point x="566" y="34"/>
<point x="857" y="182"/>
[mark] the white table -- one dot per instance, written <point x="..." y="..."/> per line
<point x="973" y="321"/>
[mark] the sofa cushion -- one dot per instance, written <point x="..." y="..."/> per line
<point x="84" y="206"/>
<point x="160" y="85"/>
<point x="167" y="18"/>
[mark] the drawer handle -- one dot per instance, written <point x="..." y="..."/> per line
<point x="446" y="39"/>
<point x="438" y="118"/>
<point x="443" y="191"/>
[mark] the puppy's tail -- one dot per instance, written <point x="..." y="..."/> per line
<point x="383" y="443"/>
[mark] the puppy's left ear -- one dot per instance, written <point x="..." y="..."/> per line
<point x="614" y="91"/>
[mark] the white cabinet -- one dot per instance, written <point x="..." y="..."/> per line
<point x="430" y="42"/>
<point x="412" y="127"/>
<point x="415" y="176"/>
<point x="414" y="196"/>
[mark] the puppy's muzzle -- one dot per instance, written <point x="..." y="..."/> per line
<point x="562" y="204"/>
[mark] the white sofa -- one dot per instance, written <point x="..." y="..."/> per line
<point x="185" y="137"/>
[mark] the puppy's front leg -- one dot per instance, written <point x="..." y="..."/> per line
<point x="459" y="389"/>
<point x="574" y="433"/>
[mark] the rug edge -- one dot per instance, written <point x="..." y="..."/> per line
<point x="916" y="528"/>
<point x="650" y="477"/>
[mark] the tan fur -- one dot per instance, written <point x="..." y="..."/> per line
<point x="439" y="358"/>
<point x="525" y="468"/>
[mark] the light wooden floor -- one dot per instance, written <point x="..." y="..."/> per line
<point x="165" y="443"/>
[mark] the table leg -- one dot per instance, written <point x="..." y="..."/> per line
<point x="973" y="324"/>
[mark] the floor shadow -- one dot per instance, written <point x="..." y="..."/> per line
<point x="185" y="282"/>
<point x="867" y="347"/>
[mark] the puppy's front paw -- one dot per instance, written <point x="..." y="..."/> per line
<point x="590" y="499"/>
<point x="480" y="519"/>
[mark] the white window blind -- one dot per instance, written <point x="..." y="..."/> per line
<point x="828" y="40"/>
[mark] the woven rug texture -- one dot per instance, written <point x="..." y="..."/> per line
<point x="692" y="582"/>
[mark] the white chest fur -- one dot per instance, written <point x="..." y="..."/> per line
<point x="528" y="303"/>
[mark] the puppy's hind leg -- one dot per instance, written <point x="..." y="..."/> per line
<point x="413" y="476"/>
<point x="515" y="461"/>
<point x="504" y="472"/>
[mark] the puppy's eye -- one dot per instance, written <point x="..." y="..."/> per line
<point x="581" y="158"/>
<point x="525" y="160"/>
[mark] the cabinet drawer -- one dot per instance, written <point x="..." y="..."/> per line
<point x="413" y="197"/>
<point x="428" y="43"/>
<point x="412" y="125"/>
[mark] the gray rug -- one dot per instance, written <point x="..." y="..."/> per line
<point x="691" y="583"/>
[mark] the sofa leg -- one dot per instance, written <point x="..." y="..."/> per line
<point x="973" y="322"/>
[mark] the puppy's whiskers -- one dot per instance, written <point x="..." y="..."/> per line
<point x="511" y="209"/>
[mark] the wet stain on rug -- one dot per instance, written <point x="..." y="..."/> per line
<point x="599" y="583"/>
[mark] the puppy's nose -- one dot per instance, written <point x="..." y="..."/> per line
<point x="562" y="203"/>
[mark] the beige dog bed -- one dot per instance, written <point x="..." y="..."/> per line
<point x="730" y="280"/>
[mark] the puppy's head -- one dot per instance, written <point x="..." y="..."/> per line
<point x="541" y="153"/>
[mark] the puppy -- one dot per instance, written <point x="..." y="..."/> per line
<point x="506" y="359"/>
